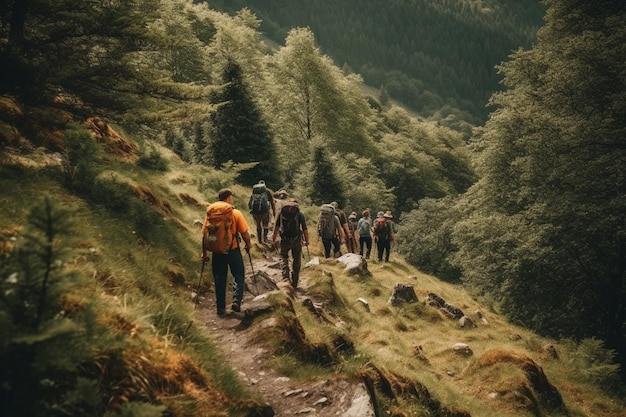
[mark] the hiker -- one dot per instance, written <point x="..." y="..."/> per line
<point x="280" y="197"/>
<point x="364" y="231"/>
<point x="330" y="230"/>
<point x="291" y="226"/>
<point x="383" y="236"/>
<point x="260" y="203"/>
<point x="222" y="239"/>
<point x="343" y="221"/>
<point x="352" y="241"/>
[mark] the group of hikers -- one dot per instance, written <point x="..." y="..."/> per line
<point x="223" y="224"/>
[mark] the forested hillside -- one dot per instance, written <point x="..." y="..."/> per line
<point x="436" y="57"/>
<point x="133" y="114"/>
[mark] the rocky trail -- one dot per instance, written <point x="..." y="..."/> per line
<point x="285" y="396"/>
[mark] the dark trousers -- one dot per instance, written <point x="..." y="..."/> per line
<point x="384" y="247"/>
<point x="219" y="266"/>
<point x="334" y="242"/>
<point x="365" y="241"/>
<point x="295" y="246"/>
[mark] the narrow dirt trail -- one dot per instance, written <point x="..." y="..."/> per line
<point x="286" y="396"/>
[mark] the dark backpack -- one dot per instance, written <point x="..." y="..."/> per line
<point x="217" y="235"/>
<point x="290" y="220"/>
<point x="326" y="222"/>
<point x="381" y="228"/>
<point x="259" y="203"/>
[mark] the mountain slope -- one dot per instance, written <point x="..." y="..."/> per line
<point x="434" y="57"/>
<point x="144" y="342"/>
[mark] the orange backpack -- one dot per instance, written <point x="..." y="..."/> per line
<point x="217" y="236"/>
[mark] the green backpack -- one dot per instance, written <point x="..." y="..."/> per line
<point x="326" y="222"/>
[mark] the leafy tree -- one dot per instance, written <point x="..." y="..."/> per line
<point x="544" y="228"/>
<point x="425" y="238"/>
<point x="315" y="102"/>
<point x="240" y="134"/>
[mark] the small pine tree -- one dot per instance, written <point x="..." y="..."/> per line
<point x="326" y="186"/>
<point x="39" y="349"/>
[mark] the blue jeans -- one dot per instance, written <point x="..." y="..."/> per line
<point x="221" y="263"/>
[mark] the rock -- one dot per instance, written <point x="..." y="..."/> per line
<point x="463" y="349"/>
<point x="361" y="405"/>
<point x="402" y="293"/>
<point x="314" y="261"/>
<point x="466" y="322"/>
<point x="355" y="264"/>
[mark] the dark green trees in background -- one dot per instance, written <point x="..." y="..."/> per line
<point x="545" y="227"/>
<point x="326" y="187"/>
<point x="239" y="132"/>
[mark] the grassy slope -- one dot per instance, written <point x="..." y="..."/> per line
<point x="145" y="282"/>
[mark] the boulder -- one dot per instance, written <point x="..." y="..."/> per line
<point x="402" y="293"/>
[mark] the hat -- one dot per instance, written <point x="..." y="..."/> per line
<point x="334" y="204"/>
<point x="352" y="215"/>
<point x="380" y="214"/>
<point x="282" y="194"/>
<point x="388" y="214"/>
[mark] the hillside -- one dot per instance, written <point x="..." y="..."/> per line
<point x="119" y="121"/>
<point x="141" y="346"/>
<point x="436" y="58"/>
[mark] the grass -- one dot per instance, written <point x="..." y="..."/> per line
<point x="142" y="264"/>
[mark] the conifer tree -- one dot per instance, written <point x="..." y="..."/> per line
<point x="326" y="186"/>
<point x="240" y="134"/>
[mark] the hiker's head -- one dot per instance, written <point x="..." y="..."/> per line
<point x="388" y="215"/>
<point x="335" y="205"/>
<point x="224" y="193"/>
<point x="366" y="213"/>
<point x="352" y="215"/>
<point x="380" y="214"/>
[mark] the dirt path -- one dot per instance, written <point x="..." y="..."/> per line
<point x="287" y="397"/>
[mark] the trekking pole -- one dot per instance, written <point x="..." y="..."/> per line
<point x="253" y="275"/>
<point x="202" y="262"/>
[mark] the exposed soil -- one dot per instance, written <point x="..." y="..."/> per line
<point x="286" y="396"/>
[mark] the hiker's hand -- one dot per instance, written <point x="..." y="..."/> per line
<point x="205" y="258"/>
<point x="247" y="249"/>
<point x="306" y="243"/>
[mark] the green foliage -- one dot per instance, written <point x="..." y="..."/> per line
<point x="239" y="132"/>
<point x="426" y="54"/>
<point x="40" y="349"/>
<point x="79" y="158"/>
<point x="326" y="186"/>
<point x="425" y="238"/>
<point x="544" y="228"/>
<point x="595" y="363"/>
<point x="152" y="159"/>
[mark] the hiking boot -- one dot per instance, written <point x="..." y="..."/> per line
<point x="236" y="307"/>
<point x="221" y="311"/>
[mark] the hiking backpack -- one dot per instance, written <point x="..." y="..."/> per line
<point x="289" y="220"/>
<point x="259" y="203"/>
<point x="217" y="236"/>
<point x="381" y="228"/>
<point x="326" y="222"/>
<point x="365" y="227"/>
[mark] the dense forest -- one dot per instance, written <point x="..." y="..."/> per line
<point x="528" y="213"/>
<point x="437" y="58"/>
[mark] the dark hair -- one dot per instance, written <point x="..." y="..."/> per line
<point x="224" y="193"/>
